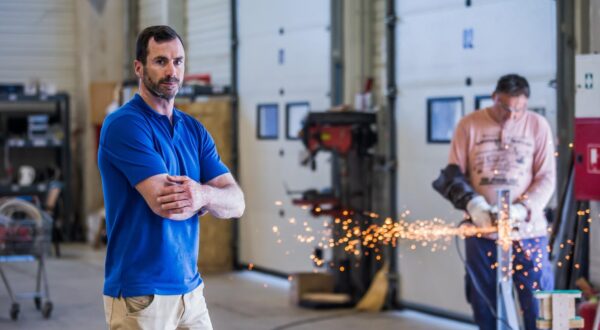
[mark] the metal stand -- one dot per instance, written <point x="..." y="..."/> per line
<point x="505" y="302"/>
<point x="349" y="137"/>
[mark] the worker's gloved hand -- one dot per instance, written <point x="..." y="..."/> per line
<point x="519" y="214"/>
<point x="480" y="212"/>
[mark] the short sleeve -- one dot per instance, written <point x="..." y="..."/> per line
<point x="459" y="147"/>
<point x="126" y="142"/>
<point x="211" y="165"/>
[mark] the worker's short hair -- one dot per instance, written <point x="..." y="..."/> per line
<point x="160" y="33"/>
<point x="513" y="85"/>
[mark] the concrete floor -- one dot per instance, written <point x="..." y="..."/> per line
<point x="236" y="301"/>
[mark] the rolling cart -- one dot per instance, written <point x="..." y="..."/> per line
<point x="25" y="235"/>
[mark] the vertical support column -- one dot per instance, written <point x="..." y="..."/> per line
<point x="235" y="235"/>
<point x="337" y="52"/>
<point x="391" y="163"/>
<point x="131" y="24"/>
<point x="505" y="304"/>
<point x="565" y="89"/>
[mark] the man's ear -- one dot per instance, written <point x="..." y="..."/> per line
<point x="138" y="67"/>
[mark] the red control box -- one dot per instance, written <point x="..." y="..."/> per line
<point x="587" y="159"/>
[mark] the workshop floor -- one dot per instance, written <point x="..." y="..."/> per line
<point x="237" y="301"/>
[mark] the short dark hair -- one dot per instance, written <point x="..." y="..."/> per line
<point x="513" y="85"/>
<point x="160" y="33"/>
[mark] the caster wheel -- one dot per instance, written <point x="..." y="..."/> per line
<point x="14" y="311"/>
<point x="38" y="303"/>
<point x="47" y="309"/>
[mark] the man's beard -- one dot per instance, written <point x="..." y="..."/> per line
<point x="157" y="90"/>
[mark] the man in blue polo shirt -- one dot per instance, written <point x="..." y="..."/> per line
<point x="160" y="169"/>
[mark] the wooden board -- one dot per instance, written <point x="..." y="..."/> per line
<point x="216" y="247"/>
<point x="101" y="95"/>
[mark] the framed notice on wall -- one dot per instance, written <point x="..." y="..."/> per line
<point x="267" y="121"/>
<point x="442" y="116"/>
<point x="295" y="114"/>
<point x="483" y="101"/>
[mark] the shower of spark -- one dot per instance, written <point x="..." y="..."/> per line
<point x="420" y="230"/>
<point x="434" y="234"/>
<point x="354" y="239"/>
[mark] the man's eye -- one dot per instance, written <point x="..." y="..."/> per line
<point x="178" y="62"/>
<point x="161" y="62"/>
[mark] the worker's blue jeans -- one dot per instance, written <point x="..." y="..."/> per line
<point x="533" y="272"/>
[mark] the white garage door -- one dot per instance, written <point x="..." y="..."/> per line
<point x="38" y="42"/>
<point x="284" y="61"/>
<point x="208" y="42"/>
<point x="439" y="44"/>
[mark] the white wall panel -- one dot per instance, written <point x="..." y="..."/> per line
<point x="306" y="60"/>
<point x="431" y="62"/>
<point x="38" y="39"/>
<point x="265" y="165"/>
<point x="303" y="69"/>
<point x="153" y="12"/>
<point x="208" y="39"/>
<point x="267" y="16"/>
<point x="164" y="12"/>
<point x="587" y="93"/>
<point x="437" y="38"/>
<point x="426" y="7"/>
<point x="258" y="68"/>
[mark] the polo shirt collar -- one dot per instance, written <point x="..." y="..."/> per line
<point x="138" y="100"/>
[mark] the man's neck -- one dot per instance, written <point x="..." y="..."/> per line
<point x="158" y="104"/>
<point x="502" y="116"/>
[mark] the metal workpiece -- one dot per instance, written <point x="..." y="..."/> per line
<point x="506" y="309"/>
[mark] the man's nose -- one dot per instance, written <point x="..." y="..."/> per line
<point x="170" y="70"/>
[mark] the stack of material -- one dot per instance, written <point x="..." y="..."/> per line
<point x="557" y="309"/>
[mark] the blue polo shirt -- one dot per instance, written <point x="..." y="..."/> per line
<point x="147" y="254"/>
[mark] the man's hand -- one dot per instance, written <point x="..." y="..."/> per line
<point x="183" y="198"/>
<point x="180" y="198"/>
<point x="480" y="212"/>
<point x="519" y="215"/>
<point x="519" y="212"/>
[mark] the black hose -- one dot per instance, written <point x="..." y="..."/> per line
<point x="477" y="286"/>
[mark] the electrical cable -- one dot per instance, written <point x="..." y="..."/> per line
<point x="314" y="320"/>
<point x="476" y="284"/>
<point x="9" y="207"/>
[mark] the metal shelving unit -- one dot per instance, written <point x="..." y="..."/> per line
<point x="46" y="152"/>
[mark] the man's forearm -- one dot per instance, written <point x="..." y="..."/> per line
<point x="226" y="202"/>
<point x="454" y="186"/>
<point x="543" y="184"/>
<point x="539" y="192"/>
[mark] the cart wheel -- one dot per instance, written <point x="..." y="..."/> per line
<point x="38" y="303"/>
<point x="14" y="311"/>
<point x="47" y="309"/>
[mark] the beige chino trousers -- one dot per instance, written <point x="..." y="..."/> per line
<point x="160" y="312"/>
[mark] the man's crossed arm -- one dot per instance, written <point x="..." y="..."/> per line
<point x="179" y="197"/>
